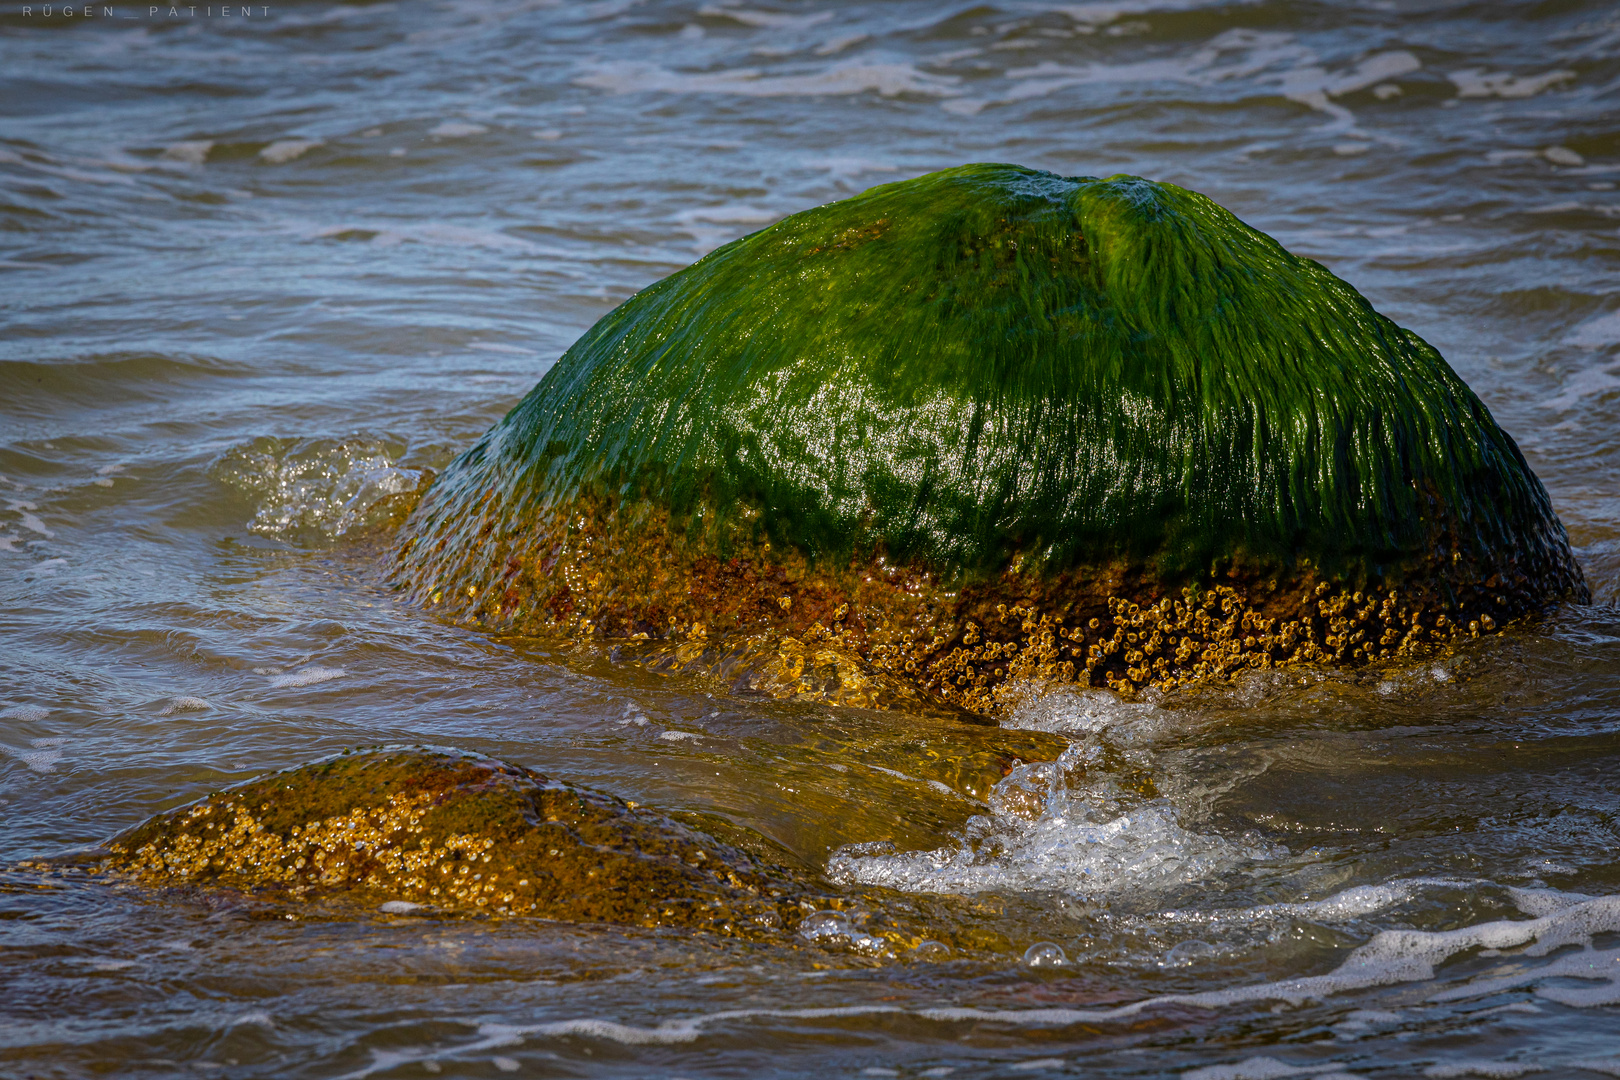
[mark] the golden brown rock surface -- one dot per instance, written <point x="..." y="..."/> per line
<point x="724" y="602"/>
<point x="457" y="833"/>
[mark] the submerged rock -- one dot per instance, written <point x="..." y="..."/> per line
<point x="403" y="829"/>
<point x="986" y="425"/>
<point x="433" y="831"/>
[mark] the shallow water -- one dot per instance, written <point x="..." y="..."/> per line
<point x="260" y="273"/>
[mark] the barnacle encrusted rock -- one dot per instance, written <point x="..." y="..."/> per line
<point x="458" y="833"/>
<point x="989" y="424"/>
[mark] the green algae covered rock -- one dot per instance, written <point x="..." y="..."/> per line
<point x="987" y="405"/>
<point x="448" y="832"/>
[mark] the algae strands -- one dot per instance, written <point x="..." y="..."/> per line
<point x="991" y="423"/>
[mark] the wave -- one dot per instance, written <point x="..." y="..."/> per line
<point x="1089" y="823"/>
<point x="319" y="487"/>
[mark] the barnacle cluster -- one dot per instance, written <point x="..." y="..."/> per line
<point x="456" y="833"/>
<point x="1198" y="635"/>
<point x="380" y="847"/>
<point x="451" y="833"/>
<point x="876" y="633"/>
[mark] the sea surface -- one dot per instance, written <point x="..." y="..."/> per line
<point x="259" y="271"/>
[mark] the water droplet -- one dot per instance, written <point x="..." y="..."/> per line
<point x="1045" y="954"/>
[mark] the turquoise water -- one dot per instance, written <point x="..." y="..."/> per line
<point x="259" y="272"/>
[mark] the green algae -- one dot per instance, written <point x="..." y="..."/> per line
<point x="991" y="360"/>
<point x="986" y="426"/>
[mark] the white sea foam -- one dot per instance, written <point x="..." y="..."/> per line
<point x="1090" y="17"/>
<point x="183" y="704"/>
<point x="189" y="152"/>
<point x="105" y="964"/>
<point x="1348" y="904"/>
<point x="256" y="1018"/>
<point x="842" y="930"/>
<point x="1499" y="157"/>
<point x="849" y="168"/>
<point x="1601" y="967"/>
<point x="1542" y="902"/>
<point x="1593" y="382"/>
<point x="457" y="129"/>
<point x="1596" y="333"/>
<point x="711" y="226"/>
<point x="1492" y="1070"/>
<point x="1390" y="958"/>
<point x="888" y="80"/>
<point x="285" y="150"/>
<point x="839" y="44"/>
<point x="328" y="486"/>
<point x="307" y="677"/>
<point x="771" y="20"/>
<point x="1313" y="86"/>
<point x="680" y="736"/>
<point x="1256" y="1068"/>
<point x="1144" y="848"/>
<point x="65" y="172"/>
<point x="1089" y="713"/>
<point x="1477" y="82"/>
<point x="29" y="520"/>
<point x="1605" y="1066"/>
<point x="1265" y="58"/>
<point x="1361" y="1021"/>
<point x="1065" y="825"/>
<point x="41" y="756"/>
<point x="28" y="714"/>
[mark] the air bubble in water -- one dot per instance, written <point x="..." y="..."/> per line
<point x="1188" y="953"/>
<point x="1045" y="954"/>
<point x="838" y="930"/>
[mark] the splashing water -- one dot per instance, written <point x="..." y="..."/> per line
<point x="326" y="487"/>
<point x="1093" y="821"/>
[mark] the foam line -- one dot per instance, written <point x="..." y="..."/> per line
<point x="1394" y="956"/>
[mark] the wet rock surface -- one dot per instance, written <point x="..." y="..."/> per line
<point x="442" y="831"/>
<point x="434" y="831"/>
<point x="913" y="449"/>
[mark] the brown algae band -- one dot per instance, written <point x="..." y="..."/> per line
<point x="986" y="425"/>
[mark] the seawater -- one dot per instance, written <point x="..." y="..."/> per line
<point x="261" y="273"/>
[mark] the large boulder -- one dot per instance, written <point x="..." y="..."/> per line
<point x="990" y="424"/>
